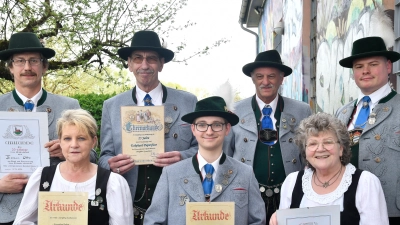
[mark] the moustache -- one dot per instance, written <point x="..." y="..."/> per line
<point x="28" y="74"/>
<point x="145" y="71"/>
<point x="267" y="86"/>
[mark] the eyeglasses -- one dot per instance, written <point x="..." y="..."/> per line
<point x="21" y="62"/>
<point x="203" y="127"/>
<point x="326" y="144"/>
<point x="150" y="59"/>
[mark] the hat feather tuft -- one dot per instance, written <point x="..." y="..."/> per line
<point x="226" y="92"/>
<point x="382" y="25"/>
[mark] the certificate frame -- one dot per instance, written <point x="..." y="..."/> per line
<point x="143" y="132"/>
<point x="326" y="215"/>
<point x="22" y="139"/>
<point x="211" y="213"/>
<point x="63" y="207"/>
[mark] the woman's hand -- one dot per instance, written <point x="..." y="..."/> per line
<point x="273" y="220"/>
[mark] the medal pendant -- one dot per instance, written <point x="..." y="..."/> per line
<point x="276" y="190"/>
<point x="269" y="192"/>
<point x="325" y="185"/>
<point x="371" y="120"/>
<point x="95" y="203"/>
<point x="218" y="188"/>
<point x="262" y="189"/>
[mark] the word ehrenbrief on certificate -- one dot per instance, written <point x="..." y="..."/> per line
<point x="22" y="139"/>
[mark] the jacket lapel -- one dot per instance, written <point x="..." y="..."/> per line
<point x="225" y="175"/>
<point x="192" y="185"/>
<point x="345" y="114"/>
<point x="248" y="122"/>
<point x="382" y="111"/>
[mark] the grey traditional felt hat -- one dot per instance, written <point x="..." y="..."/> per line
<point x="211" y="106"/>
<point x="25" y="42"/>
<point x="366" y="47"/>
<point x="269" y="58"/>
<point x="146" y="40"/>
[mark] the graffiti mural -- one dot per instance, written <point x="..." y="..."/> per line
<point x="266" y="28"/>
<point x="291" y="13"/>
<point x="292" y="86"/>
<point x="339" y="24"/>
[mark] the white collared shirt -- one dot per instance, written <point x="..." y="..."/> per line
<point x="375" y="98"/>
<point x="156" y="95"/>
<point x="203" y="162"/>
<point x="273" y="105"/>
<point x="35" y="98"/>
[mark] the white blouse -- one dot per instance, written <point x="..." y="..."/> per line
<point x="119" y="201"/>
<point x="370" y="200"/>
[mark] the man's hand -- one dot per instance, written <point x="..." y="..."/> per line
<point x="121" y="163"/>
<point x="167" y="158"/>
<point x="13" y="183"/>
<point x="54" y="149"/>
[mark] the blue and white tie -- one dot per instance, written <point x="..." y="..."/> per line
<point x="363" y="114"/>
<point x="208" y="182"/>
<point x="266" y="121"/>
<point x="28" y="106"/>
<point x="147" y="100"/>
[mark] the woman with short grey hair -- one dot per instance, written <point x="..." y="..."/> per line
<point x="330" y="178"/>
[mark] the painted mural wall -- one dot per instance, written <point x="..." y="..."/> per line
<point x="339" y="23"/>
<point x="291" y="13"/>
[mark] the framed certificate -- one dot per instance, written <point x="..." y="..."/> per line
<point x="326" y="215"/>
<point x="22" y="139"/>
<point x="142" y="132"/>
<point x="63" y="208"/>
<point x="211" y="213"/>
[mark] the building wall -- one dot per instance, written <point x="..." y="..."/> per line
<point x="291" y="13"/>
<point x="339" y="24"/>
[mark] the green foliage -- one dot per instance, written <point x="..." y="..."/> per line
<point x="86" y="34"/>
<point x="94" y="104"/>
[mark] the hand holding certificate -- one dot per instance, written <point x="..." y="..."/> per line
<point x="142" y="132"/>
<point x="22" y="137"/>
<point x="327" y="215"/>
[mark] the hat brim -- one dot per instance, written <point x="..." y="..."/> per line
<point x="248" y="68"/>
<point x="391" y="55"/>
<point x="232" y="118"/>
<point x="126" y="52"/>
<point x="46" y="52"/>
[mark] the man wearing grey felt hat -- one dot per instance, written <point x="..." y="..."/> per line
<point x="208" y="176"/>
<point x="27" y="60"/>
<point x="373" y="119"/>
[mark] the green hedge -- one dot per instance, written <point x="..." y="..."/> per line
<point x="94" y="104"/>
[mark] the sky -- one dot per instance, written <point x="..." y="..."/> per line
<point x="215" y="19"/>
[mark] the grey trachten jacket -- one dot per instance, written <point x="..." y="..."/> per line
<point x="182" y="179"/>
<point x="379" y="148"/>
<point x="241" y="142"/>
<point x="179" y="137"/>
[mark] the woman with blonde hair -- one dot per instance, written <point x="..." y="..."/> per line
<point x="110" y="199"/>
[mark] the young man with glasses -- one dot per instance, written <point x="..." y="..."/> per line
<point x="27" y="61"/>
<point x="264" y="137"/>
<point x="146" y="58"/>
<point x="210" y="175"/>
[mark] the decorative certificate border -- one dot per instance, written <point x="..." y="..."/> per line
<point x="22" y="139"/>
